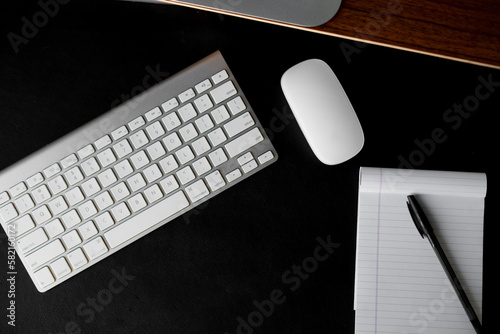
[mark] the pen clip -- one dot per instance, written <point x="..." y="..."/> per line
<point x="414" y="216"/>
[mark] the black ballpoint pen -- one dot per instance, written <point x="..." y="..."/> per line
<point x="425" y="229"/>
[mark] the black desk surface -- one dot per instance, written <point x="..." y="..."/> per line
<point x="203" y="271"/>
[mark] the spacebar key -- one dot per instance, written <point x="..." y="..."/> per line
<point x="146" y="219"/>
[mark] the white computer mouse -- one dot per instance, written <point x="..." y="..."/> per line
<point x="323" y="111"/>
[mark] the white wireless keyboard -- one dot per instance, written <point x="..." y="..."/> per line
<point x="130" y="171"/>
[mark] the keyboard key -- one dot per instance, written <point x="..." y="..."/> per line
<point x="71" y="239"/>
<point x="103" y="200"/>
<point x="74" y="196"/>
<point x="217" y="137"/>
<point x="60" y="267"/>
<point x="4" y="197"/>
<point x="187" y="112"/>
<point x="119" y="133"/>
<point x="223" y="92"/>
<point x="136" y="182"/>
<point x="41" y="215"/>
<point x="236" y="105"/>
<point x="203" y="86"/>
<point x="184" y="155"/>
<point x="139" y="139"/>
<point x="44" y="277"/>
<point x="220" y="114"/>
<point x="245" y="158"/>
<point x="74" y="176"/>
<point x="155" y="130"/>
<point x="123" y="168"/>
<point x="41" y="194"/>
<point x="52" y="170"/>
<point x="87" y="209"/>
<point x="24" y="224"/>
<point x="185" y="175"/>
<point x="58" y="205"/>
<point x="107" y="178"/>
<point x="70" y="160"/>
<point x="219" y="77"/>
<point x="249" y="166"/>
<point x="91" y="187"/>
<point x="265" y="157"/>
<point x="90" y="166"/>
<point x="172" y="141"/>
<point x="18" y="189"/>
<point x="77" y="258"/>
<point x="122" y="148"/>
<point x="153" y="193"/>
<point x="231" y="176"/>
<point x="239" y="124"/>
<point x="139" y="160"/>
<point x="87" y="230"/>
<point x="218" y="157"/>
<point x="71" y="218"/>
<point x="120" y="191"/>
<point x="168" y="164"/>
<point x="45" y="254"/>
<point x="85" y="151"/>
<point x="32" y="240"/>
<point x="24" y="203"/>
<point x="169" y="184"/>
<point x="188" y="132"/>
<point x="171" y="121"/>
<point x="197" y="191"/>
<point x="186" y="95"/>
<point x="102" y="142"/>
<point x="146" y="219"/>
<point x="203" y="103"/>
<point x="202" y="166"/>
<point x="153" y="113"/>
<point x="8" y="212"/>
<point x="136" y="123"/>
<point x="156" y="150"/>
<point x="201" y="146"/>
<point x="57" y="185"/>
<point x="215" y="180"/>
<point x="106" y="157"/>
<point x="244" y="142"/>
<point x="104" y="221"/>
<point x="152" y="173"/>
<point x="95" y="248"/>
<point x="204" y="123"/>
<point x="137" y="202"/>
<point x="120" y="212"/>
<point x="170" y="104"/>
<point x="34" y="180"/>
<point x="54" y="228"/>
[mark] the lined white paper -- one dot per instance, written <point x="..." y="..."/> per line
<point x="400" y="285"/>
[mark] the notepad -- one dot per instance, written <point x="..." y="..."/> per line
<point x="400" y="286"/>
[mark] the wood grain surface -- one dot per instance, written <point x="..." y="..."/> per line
<point x="462" y="30"/>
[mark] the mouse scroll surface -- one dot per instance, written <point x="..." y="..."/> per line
<point x="323" y="111"/>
